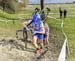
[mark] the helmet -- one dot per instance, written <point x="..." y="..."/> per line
<point x="36" y="17"/>
<point x="37" y="10"/>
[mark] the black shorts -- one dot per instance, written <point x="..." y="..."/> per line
<point x="45" y="35"/>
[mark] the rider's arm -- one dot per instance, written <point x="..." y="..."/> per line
<point x="27" y="23"/>
<point x="43" y="30"/>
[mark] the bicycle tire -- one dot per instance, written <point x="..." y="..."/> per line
<point x="25" y="36"/>
<point x="17" y="33"/>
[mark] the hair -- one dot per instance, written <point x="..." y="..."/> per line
<point x="37" y="10"/>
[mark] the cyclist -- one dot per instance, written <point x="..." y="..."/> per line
<point x="46" y="35"/>
<point x="39" y="31"/>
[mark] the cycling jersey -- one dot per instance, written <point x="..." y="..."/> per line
<point x="36" y="17"/>
<point x="37" y="23"/>
<point x="37" y="26"/>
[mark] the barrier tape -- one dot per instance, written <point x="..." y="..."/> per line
<point x="65" y="47"/>
<point x="62" y="55"/>
<point x="7" y="20"/>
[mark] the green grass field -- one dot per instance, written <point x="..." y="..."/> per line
<point x="69" y="23"/>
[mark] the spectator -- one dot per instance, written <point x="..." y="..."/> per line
<point x="65" y="13"/>
<point x="61" y="12"/>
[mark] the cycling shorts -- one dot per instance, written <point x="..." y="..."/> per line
<point x="40" y="36"/>
<point x="45" y="35"/>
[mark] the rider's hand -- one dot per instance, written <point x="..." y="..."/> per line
<point x="24" y="24"/>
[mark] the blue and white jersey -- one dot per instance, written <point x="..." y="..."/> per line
<point x="37" y="23"/>
<point x="36" y="17"/>
<point x="37" y="26"/>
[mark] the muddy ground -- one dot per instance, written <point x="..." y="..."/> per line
<point x="12" y="49"/>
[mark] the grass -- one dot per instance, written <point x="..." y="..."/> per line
<point x="16" y="16"/>
<point x="69" y="23"/>
<point x="7" y="16"/>
<point x="70" y="31"/>
<point x="69" y="28"/>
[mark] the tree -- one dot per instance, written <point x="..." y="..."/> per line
<point x="3" y="4"/>
<point x="13" y="5"/>
<point x="42" y="4"/>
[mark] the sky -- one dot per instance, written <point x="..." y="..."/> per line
<point x="50" y="1"/>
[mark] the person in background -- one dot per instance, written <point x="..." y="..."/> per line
<point x="65" y="13"/>
<point x="60" y="12"/>
<point x="46" y="35"/>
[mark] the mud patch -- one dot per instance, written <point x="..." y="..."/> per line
<point x="12" y="49"/>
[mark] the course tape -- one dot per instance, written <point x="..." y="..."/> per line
<point x="7" y="20"/>
<point x="62" y="55"/>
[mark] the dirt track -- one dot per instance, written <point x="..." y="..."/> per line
<point x="12" y="49"/>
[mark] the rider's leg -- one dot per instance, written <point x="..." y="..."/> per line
<point x="47" y="39"/>
<point x="40" y="36"/>
<point x="34" y="41"/>
<point x="46" y="42"/>
<point x="41" y="43"/>
<point x="41" y="46"/>
<point x="46" y="35"/>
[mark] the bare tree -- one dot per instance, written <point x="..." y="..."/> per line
<point x="3" y="3"/>
<point x="42" y="4"/>
<point x="13" y="5"/>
